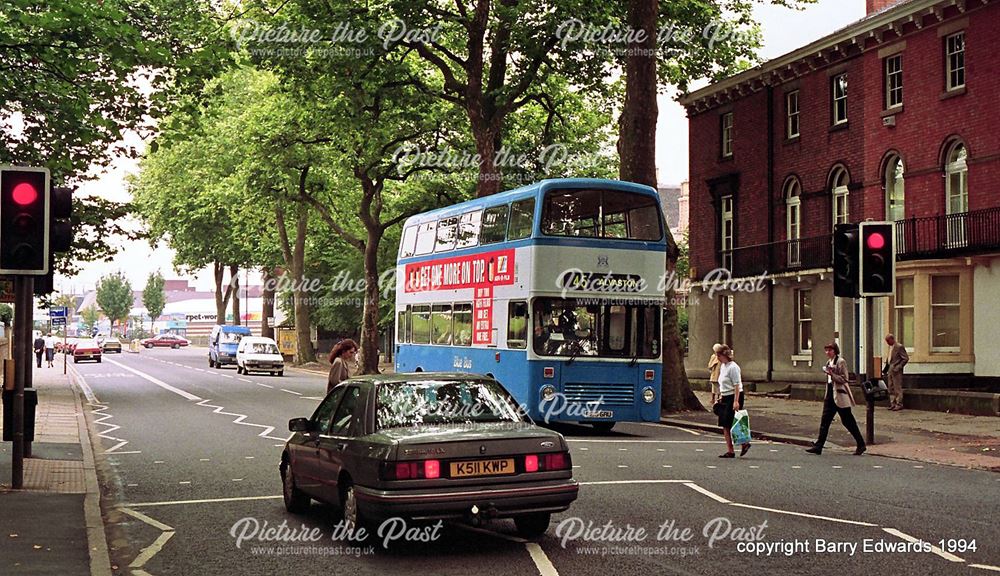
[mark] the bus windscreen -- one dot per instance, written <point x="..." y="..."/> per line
<point x="611" y="214"/>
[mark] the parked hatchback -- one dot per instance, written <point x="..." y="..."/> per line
<point x="427" y="446"/>
<point x="259" y="354"/>
<point x="86" y="349"/>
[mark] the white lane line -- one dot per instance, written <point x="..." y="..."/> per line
<point x="160" y="383"/>
<point x="755" y="466"/>
<point x="796" y="467"/>
<point x="149" y="551"/>
<point x="596" y="441"/>
<point x="237" y="479"/>
<point x="689" y="431"/>
<point x="804" y="515"/>
<point x="706" y="492"/>
<point x="291" y="392"/>
<point x="226" y="376"/>
<point x="131" y="485"/>
<point x="312" y="397"/>
<point x="947" y="556"/>
<point x="876" y="467"/>
<point x="615" y="482"/>
<point x="123" y="452"/>
<point x="711" y="467"/>
<point x="985" y="567"/>
<point x="661" y="449"/>
<point x="622" y="466"/>
<point x="206" y="501"/>
<point x="157" y="461"/>
<point x="185" y="482"/>
<point x="264" y="385"/>
<point x="203" y="460"/>
<point x="101" y="409"/>
<point x="623" y="449"/>
<point x="245" y="380"/>
<point x="542" y="562"/>
<point x="249" y="457"/>
<point x="667" y="466"/>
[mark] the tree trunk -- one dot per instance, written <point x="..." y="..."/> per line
<point x="303" y="325"/>
<point x="221" y="297"/>
<point x="235" y="283"/>
<point x="637" y="151"/>
<point x="267" y="309"/>
<point x="369" y="324"/>
<point x="489" y="173"/>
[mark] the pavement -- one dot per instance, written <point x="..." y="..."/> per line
<point x="53" y="524"/>
<point x="933" y="437"/>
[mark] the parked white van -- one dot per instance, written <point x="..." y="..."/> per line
<point x="258" y="354"/>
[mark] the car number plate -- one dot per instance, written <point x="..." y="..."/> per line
<point x="482" y="468"/>
<point x="599" y="414"/>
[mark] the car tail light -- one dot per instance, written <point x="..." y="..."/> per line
<point x="531" y="463"/>
<point x="547" y="462"/>
<point x="406" y="470"/>
<point x="432" y="469"/>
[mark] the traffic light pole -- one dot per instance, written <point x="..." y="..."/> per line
<point x="23" y="301"/>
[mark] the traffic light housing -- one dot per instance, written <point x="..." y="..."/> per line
<point x="846" y="251"/>
<point x="878" y="259"/>
<point x="24" y="221"/>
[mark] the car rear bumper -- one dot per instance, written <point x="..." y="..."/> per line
<point x="86" y="356"/>
<point x="505" y="501"/>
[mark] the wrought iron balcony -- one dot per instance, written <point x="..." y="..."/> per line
<point x="947" y="235"/>
<point x="778" y="257"/>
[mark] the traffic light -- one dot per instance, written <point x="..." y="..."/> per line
<point x="60" y="235"/>
<point x="24" y="221"/>
<point x="845" y="260"/>
<point x="878" y="259"/>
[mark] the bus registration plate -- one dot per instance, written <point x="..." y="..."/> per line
<point x="599" y="414"/>
<point x="482" y="468"/>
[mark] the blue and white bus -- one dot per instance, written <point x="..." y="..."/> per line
<point x="553" y="289"/>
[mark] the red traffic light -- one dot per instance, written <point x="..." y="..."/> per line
<point x="24" y="194"/>
<point x="876" y="241"/>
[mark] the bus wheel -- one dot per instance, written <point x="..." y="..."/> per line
<point x="603" y="427"/>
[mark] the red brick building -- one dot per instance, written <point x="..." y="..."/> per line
<point x="895" y="117"/>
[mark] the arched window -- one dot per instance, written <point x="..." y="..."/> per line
<point x="956" y="172"/>
<point x="793" y="219"/>
<point x="838" y="187"/>
<point x="894" y="192"/>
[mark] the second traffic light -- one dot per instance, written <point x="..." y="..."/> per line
<point x="878" y="259"/>
<point x="846" y="251"/>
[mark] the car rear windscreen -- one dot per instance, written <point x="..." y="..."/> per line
<point x="445" y="402"/>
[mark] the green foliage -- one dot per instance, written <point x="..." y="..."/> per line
<point x="114" y="296"/>
<point x="153" y="296"/>
<point x="89" y="316"/>
<point x="6" y="315"/>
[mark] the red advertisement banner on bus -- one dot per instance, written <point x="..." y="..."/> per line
<point x="476" y="270"/>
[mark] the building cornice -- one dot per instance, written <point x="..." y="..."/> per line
<point x="885" y="27"/>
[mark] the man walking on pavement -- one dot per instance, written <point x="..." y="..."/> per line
<point x="39" y="347"/>
<point x="838" y="401"/>
<point x="50" y="349"/>
<point x="893" y="372"/>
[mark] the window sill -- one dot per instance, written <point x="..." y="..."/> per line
<point x="793" y="140"/>
<point x="796" y="358"/>
<point x="839" y="127"/>
<point x="952" y="93"/>
<point x="725" y="158"/>
<point x="892" y="111"/>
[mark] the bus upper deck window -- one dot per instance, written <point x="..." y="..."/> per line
<point x="494" y="225"/>
<point x="446" y="231"/>
<point x="425" y="238"/>
<point x="408" y="244"/>
<point x="522" y="215"/>
<point x="468" y="229"/>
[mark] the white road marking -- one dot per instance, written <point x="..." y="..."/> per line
<point x="837" y="467"/>
<point x="623" y="449"/>
<point x="804" y="515"/>
<point x="131" y="485"/>
<point x="918" y="466"/>
<point x="947" y="556"/>
<point x="249" y="457"/>
<point x="699" y="450"/>
<point x="622" y="466"/>
<point x="712" y="467"/>
<point x="598" y="441"/>
<point x="160" y="383"/>
<point x="157" y="461"/>
<point x="542" y="562"/>
<point x="237" y="479"/>
<point x="755" y="466"/>
<point x="614" y="482"/>
<point x="203" y="460"/>
<point x="206" y="501"/>
<point x="124" y="452"/>
<point x="661" y="449"/>
<point x="149" y="551"/>
<point x="185" y="482"/>
<point x="876" y="466"/>
<point x="773" y="450"/>
<point x="226" y="376"/>
<point x="985" y="567"/>
<point x="667" y="466"/>
<point x="240" y="420"/>
<point x="264" y="385"/>
<point x="245" y="380"/>
<point x="291" y="392"/>
<point x="706" y="492"/>
<point x="796" y="467"/>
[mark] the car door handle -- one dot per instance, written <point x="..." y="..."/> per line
<point x="341" y="446"/>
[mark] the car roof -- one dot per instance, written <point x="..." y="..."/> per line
<point x="258" y="339"/>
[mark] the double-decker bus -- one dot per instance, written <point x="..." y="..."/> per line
<point x="553" y="289"/>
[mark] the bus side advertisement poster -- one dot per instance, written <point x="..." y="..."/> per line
<point x="472" y="271"/>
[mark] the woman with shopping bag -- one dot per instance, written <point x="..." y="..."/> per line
<point x="731" y="390"/>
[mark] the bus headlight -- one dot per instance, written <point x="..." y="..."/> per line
<point x="648" y="395"/>
<point x="548" y="392"/>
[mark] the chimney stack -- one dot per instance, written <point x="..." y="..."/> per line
<point x="879" y="5"/>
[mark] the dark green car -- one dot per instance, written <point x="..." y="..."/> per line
<point x="427" y="446"/>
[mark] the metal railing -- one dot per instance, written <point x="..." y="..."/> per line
<point x="784" y="256"/>
<point x="946" y="235"/>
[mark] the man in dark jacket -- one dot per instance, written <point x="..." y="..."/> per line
<point x="39" y="346"/>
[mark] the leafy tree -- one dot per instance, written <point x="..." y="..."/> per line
<point x="6" y="317"/>
<point x="114" y="296"/>
<point x="89" y="316"/>
<point x="154" y="298"/>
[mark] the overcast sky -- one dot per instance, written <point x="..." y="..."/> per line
<point x="783" y="31"/>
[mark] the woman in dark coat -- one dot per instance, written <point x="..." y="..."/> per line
<point x="343" y="352"/>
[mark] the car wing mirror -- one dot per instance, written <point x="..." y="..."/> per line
<point x="299" y="425"/>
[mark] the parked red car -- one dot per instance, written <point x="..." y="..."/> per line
<point x="165" y="341"/>
<point x="87" y="350"/>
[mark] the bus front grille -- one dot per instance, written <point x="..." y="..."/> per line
<point x="612" y="394"/>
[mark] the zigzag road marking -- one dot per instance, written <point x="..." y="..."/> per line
<point x="100" y="409"/>
<point x="266" y="433"/>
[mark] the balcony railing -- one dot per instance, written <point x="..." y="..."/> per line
<point x="947" y="235"/>
<point x="778" y="257"/>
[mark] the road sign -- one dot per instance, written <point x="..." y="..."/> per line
<point x="58" y="320"/>
<point x="57" y="312"/>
